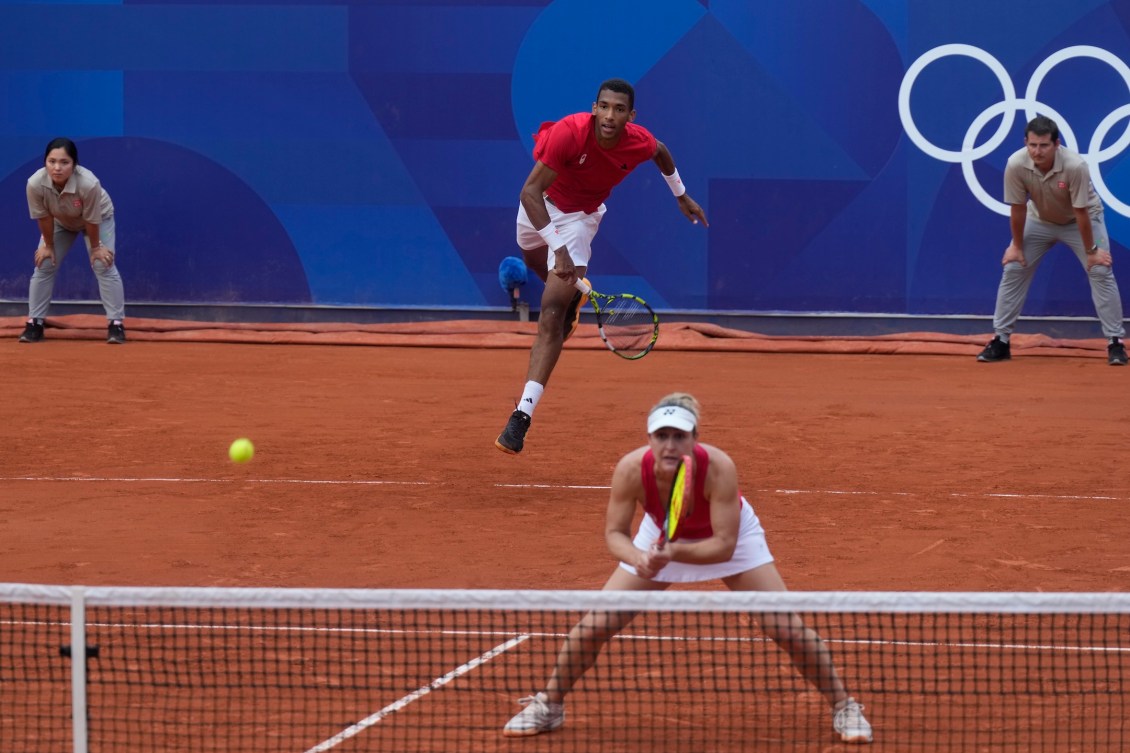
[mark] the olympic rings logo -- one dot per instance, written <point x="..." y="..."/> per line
<point x="1030" y="103"/>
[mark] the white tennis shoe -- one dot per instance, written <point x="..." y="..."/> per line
<point x="539" y="716"/>
<point x="850" y="724"/>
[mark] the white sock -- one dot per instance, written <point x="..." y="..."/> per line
<point x="530" y="397"/>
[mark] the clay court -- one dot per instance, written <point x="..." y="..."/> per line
<point x="375" y="464"/>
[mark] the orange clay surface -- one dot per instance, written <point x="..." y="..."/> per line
<point x="375" y="466"/>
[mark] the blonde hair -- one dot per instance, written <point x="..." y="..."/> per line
<point x="681" y="399"/>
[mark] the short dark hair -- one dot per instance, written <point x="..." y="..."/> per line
<point x="1042" y="125"/>
<point x="61" y="143"/>
<point x="620" y="86"/>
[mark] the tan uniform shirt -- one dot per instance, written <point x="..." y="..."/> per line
<point x="1051" y="197"/>
<point x="81" y="201"/>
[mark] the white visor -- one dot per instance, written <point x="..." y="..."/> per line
<point x="671" y="416"/>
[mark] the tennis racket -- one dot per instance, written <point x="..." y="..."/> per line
<point x="680" y="501"/>
<point x="627" y="325"/>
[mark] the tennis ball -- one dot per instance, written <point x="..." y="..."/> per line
<point x="241" y="450"/>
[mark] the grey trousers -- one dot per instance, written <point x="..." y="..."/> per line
<point x="1039" y="237"/>
<point x="109" y="281"/>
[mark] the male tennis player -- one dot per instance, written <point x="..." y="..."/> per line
<point x="720" y="538"/>
<point x="578" y="161"/>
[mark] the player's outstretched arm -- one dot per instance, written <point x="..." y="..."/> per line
<point x="666" y="164"/>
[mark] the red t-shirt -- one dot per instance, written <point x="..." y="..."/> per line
<point x="586" y="172"/>
<point x="697" y="524"/>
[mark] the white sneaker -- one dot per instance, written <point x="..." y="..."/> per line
<point x="850" y="724"/>
<point x="539" y="716"/>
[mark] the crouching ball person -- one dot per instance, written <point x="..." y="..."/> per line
<point x="67" y="201"/>
<point x="721" y="538"/>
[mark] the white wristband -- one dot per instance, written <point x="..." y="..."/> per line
<point x="675" y="182"/>
<point x="551" y="237"/>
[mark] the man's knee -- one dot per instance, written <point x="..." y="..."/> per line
<point x="1100" y="273"/>
<point x="1014" y="270"/>
<point x="551" y="322"/>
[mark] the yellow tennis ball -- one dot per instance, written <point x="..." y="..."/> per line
<point x="241" y="450"/>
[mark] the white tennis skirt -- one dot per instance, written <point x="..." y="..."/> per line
<point x="752" y="551"/>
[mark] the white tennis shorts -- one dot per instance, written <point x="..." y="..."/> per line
<point x="752" y="551"/>
<point x="577" y="229"/>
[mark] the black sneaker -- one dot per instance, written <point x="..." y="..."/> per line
<point x="115" y="333"/>
<point x="1115" y="353"/>
<point x="33" y="331"/>
<point x="997" y="350"/>
<point x="513" y="437"/>
<point x="573" y="312"/>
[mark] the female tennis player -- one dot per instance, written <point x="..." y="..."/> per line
<point x="721" y="538"/>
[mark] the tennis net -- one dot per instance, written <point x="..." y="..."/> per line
<point x="311" y="671"/>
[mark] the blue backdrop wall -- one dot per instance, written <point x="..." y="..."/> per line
<point x="849" y="153"/>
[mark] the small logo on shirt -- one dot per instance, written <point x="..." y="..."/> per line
<point x="584" y="157"/>
<point x="77" y="203"/>
<point x="1062" y="184"/>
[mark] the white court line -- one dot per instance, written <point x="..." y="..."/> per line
<point x="834" y="492"/>
<point x="178" y="480"/>
<point x="552" y="486"/>
<point x="947" y="494"/>
<point x="359" y="727"/>
<point x="563" y="487"/>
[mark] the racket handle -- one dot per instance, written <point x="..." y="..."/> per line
<point x="581" y="286"/>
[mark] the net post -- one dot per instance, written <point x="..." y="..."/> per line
<point x="78" y="670"/>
